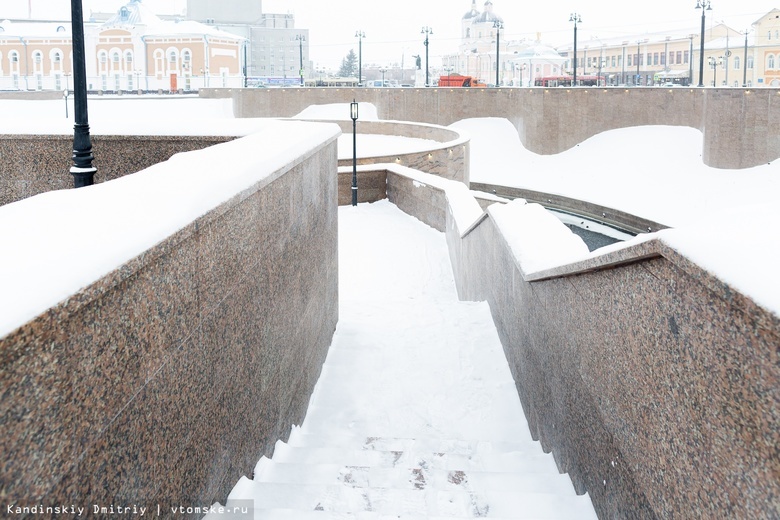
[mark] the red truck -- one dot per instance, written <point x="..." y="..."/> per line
<point x="456" y="80"/>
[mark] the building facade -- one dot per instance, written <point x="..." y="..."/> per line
<point x="132" y="50"/>
<point x="277" y="54"/>
<point x="731" y="58"/>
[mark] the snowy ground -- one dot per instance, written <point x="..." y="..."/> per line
<point x="655" y="172"/>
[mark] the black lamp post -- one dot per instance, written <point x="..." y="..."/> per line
<point x="82" y="170"/>
<point x="744" y="65"/>
<point x="301" y="38"/>
<point x="705" y="6"/>
<point x="353" y="114"/>
<point x="383" y="70"/>
<point x="427" y="31"/>
<point x="360" y="35"/>
<point x="638" y="54"/>
<point x="714" y="62"/>
<point x="498" y="25"/>
<point x="574" y="17"/>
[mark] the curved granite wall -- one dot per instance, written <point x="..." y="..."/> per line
<point x="165" y="380"/>
<point x="654" y="383"/>
<point x="741" y="126"/>
<point x="449" y="160"/>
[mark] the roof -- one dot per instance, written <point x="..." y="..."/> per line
<point x="488" y="15"/>
<point x="133" y="13"/>
<point x="473" y="13"/>
<point x="540" y="51"/>
<point x="35" y="29"/>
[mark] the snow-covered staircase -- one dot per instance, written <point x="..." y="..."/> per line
<point x="372" y="477"/>
<point x="415" y="414"/>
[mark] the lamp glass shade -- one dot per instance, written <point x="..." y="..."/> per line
<point x="353" y="110"/>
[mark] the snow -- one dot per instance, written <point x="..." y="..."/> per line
<point x="339" y="112"/>
<point x="395" y="281"/>
<point x="372" y="145"/>
<point x="536" y="237"/>
<point x="655" y="172"/>
<point x="612" y="169"/>
<point x="41" y="248"/>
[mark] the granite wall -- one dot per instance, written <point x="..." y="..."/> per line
<point x="449" y="160"/>
<point x="166" y="380"/>
<point x="653" y="383"/>
<point x="741" y="126"/>
<point x="33" y="164"/>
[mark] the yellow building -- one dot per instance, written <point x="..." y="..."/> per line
<point x="751" y="60"/>
<point x="133" y="50"/>
<point x="731" y="58"/>
<point x="669" y="57"/>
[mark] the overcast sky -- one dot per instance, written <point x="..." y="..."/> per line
<point x="392" y="27"/>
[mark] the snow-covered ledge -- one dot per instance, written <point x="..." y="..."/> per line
<point x="648" y="368"/>
<point x="149" y="324"/>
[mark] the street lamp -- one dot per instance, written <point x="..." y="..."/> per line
<point x="353" y="114"/>
<point x="714" y="62"/>
<point x="574" y="17"/>
<point x="638" y="54"/>
<point x="360" y="35"/>
<point x="704" y="5"/>
<point x="427" y="31"/>
<point x="383" y="70"/>
<point x="301" y="38"/>
<point x="82" y="170"/>
<point x="744" y="65"/>
<point x="498" y="24"/>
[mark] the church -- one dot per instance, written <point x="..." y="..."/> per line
<point x="482" y="32"/>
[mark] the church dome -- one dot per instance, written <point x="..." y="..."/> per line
<point x="473" y="13"/>
<point x="488" y="16"/>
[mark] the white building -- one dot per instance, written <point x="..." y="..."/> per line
<point x="132" y="50"/>
<point x="277" y="54"/>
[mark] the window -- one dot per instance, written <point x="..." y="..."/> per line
<point x="679" y="57"/>
<point x="56" y="61"/>
<point x="685" y="59"/>
<point x="770" y="61"/>
<point x="736" y="62"/>
<point x="663" y="58"/>
<point x="750" y="62"/>
<point x="186" y="58"/>
<point x="115" y="61"/>
<point x="159" y="63"/>
<point x="129" y="62"/>
<point x="13" y="62"/>
<point x="629" y="61"/>
<point x="37" y="62"/>
<point x="655" y="58"/>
